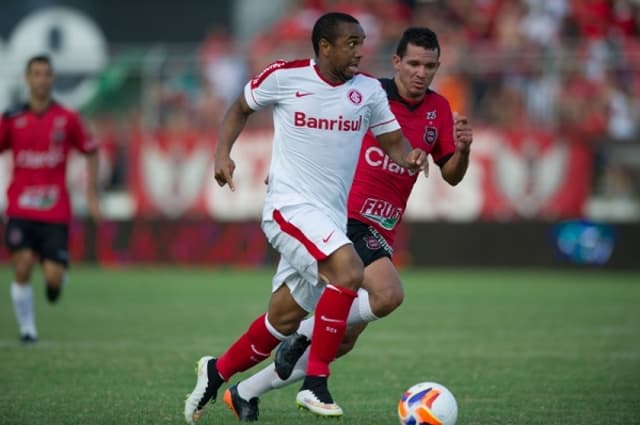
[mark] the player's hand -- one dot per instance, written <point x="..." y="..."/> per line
<point x="417" y="160"/>
<point x="463" y="134"/>
<point x="224" y="168"/>
<point x="93" y="204"/>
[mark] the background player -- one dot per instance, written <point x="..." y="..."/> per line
<point x="40" y="135"/>
<point x="376" y="204"/>
<point x="321" y="112"/>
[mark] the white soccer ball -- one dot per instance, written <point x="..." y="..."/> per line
<point x="428" y="403"/>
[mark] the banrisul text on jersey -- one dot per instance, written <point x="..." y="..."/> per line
<point x="300" y="119"/>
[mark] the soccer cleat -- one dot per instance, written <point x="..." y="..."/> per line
<point x="306" y="399"/>
<point x="245" y="411"/>
<point x="314" y="397"/>
<point x="28" y="338"/>
<point x="205" y="390"/>
<point x="288" y="353"/>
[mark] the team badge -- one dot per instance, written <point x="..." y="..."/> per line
<point x="371" y="243"/>
<point x="15" y="236"/>
<point x="430" y="134"/>
<point x="431" y="115"/>
<point x="355" y="96"/>
<point x="57" y="135"/>
<point x="21" y="122"/>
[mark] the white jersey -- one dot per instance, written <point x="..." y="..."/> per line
<point x="318" y="131"/>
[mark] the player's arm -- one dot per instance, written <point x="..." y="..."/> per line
<point x="401" y="152"/>
<point x="93" y="202"/>
<point x="456" y="167"/>
<point x="82" y="140"/>
<point x="234" y="121"/>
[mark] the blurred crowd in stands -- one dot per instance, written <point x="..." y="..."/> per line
<point x="569" y="66"/>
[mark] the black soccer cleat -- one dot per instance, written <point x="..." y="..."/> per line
<point x="288" y="353"/>
<point x="245" y="411"/>
<point x="28" y="339"/>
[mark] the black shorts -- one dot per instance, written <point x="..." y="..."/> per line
<point x="368" y="242"/>
<point x="49" y="240"/>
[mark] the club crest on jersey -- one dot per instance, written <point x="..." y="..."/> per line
<point x="431" y="115"/>
<point x="15" y="236"/>
<point x="355" y="96"/>
<point x="371" y="243"/>
<point x="21" y="122"/>
<point x="57" y="135"/>
<point x="430" y="134"/>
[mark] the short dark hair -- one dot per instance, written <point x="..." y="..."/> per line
<point x="326" y="27"/>
<point x="418" y="36"/>
<point x="38" y="58"/>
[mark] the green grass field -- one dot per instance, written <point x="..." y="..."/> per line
<point x="514" y="346"/>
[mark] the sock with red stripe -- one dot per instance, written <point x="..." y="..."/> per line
<point x="250" y="349"/>
<point x="329" y="327"/>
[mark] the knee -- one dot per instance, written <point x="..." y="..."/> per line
<point x="22" y="272"/>
<point x="352" y="276"/>
<point x="385" y="301"/>
<point x="286" y="324"/>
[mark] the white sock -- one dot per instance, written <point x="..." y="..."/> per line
<point x="360" y="313"/>
<point x="22" y="297"/>
<point x="306" y="327"/>
<point x="267" y="379"/>
<point x="361" y="309"/>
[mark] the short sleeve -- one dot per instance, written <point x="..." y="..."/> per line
<point x="81" y="139"/>
<point x="445" y="145"/>
<point x="264" y="89"/>
<point x="382" y="119"/>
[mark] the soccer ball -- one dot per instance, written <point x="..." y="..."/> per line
<point x="427" y="403"/>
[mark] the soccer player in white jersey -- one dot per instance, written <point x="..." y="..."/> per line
<point x="321" y="111"/>
<point x="376" y="204"/>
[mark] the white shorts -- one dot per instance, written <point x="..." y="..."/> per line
<point x="303" y="235"/>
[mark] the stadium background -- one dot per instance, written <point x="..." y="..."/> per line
<point x="551" y="88"/>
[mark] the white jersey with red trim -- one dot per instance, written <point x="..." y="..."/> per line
<point x="318" y="132"/>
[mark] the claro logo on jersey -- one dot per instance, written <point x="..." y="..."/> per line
<point x="382" y="212"/>
<point x="300" y="119"/>
<point x="39" y="159"/>
<point x="376" y="157"/>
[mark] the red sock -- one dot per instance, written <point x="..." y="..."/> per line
<point x="250" y="349"/>
<point x="329" y="325"/>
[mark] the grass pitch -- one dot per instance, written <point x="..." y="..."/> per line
<point x="514" y="346"/>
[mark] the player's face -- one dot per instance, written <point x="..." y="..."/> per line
<point x="415" y="71"/>
<point x="40" y="79"/>
<point x="345" y="53"/>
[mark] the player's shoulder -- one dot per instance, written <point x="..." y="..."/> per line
<point x="60" y="109"/>
<point x="279" y="65"/>
<point x="367" y="83"/>
<point x="15" y="111"/>
<point x="436" y="98"/>
<point x="364" y="78"/>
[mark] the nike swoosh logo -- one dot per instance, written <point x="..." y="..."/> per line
<point x="326" y="319"/>
<point x="325" y="240"/>
<point x="302" y="94"/>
